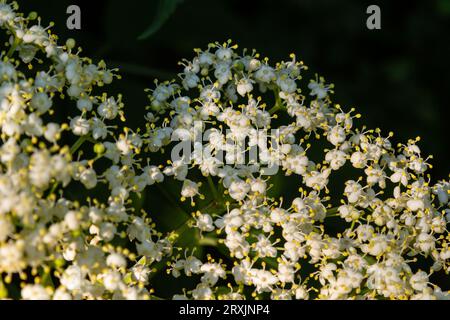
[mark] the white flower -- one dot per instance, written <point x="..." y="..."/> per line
<point x="263" y="280"/>
<point x="377" y="245"/>
<point x="41" y="102"/>
<point x="264" y="247"/>
<point x="80" y="126"/>
<point x="108" y="109"/>
<point x="336" y="158"/>
<point x="34" y="292"/>
<point x="336" y="135"/>
<point x="72" y="278"/>
<point x="202" y="292"/>
<point x="224" y="53"/>
<point x="61" y="294"/>
<point x="349" y="213"/>
<point x="239" y="189"/>
<point x="84" y="104"/>
<point x="358" y="159"/>
<point x="265" y="74"/>
<point x="211" y="273"/>
<point x="89" y="178"/>
<point x="6" y="228"/>
<point x="141" y="273"/>
<point x="192" y="265"/>
<point x="111" y="280"/>
<point x="317" y="180"/>
<point x="401" y="176"/>
<point x="72" y="220"/>
<point x="11" y="257"/>
<point x="189" y="189"/>
<point x="425" y="242"/>
<point x="415" y="205"/>
<point x="301" y="293"/>
<point x="353" y="191"/>
<point x="116" y="260"/>
<point x="205" y="223"/>
<point x="40" y="171"/>
<point x="52" y="132"/>
<point x="259" y="186"/>
<point x="70" y="252"/>
<point x="318" y="89"/>
<point x="244" y="86"/>
<point x="419" y="281"/>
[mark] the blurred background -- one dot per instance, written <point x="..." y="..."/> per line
<point x="398" y="77"/>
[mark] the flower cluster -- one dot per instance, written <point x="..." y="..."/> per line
<point x="392" y="217"/>
<point x="370" y="238"/>
<point x="54" y="244"/>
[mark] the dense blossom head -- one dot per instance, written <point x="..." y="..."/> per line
<point x="390" y="214"/>
<point x="54" y="244"/>
<point x="358" y="238"/>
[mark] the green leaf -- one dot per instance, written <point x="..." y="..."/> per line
<point x="164" y="10"/>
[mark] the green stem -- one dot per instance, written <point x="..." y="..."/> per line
<point x="207" y="241"/>
<point x="278" y="103"/>
<point x="370" y="260"/>
<point x="274" y="109"/>
<point x="46" y="279"/>
<point x="3" y="289"/>
<point x="332" y="212"/>
<point x="53" y="189"/>
<point x="78" y="144"/>
<point x="212" y="187"/>
<point x="13" y="47"/>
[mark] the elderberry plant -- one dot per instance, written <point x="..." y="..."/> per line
<point x="259" y="124"/>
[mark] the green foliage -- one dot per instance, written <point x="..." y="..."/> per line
<point x="443" y="7"/>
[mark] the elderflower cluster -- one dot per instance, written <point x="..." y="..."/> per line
<point x="392" y="217"/>
<point x="55" y="244"/>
